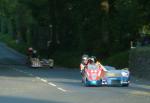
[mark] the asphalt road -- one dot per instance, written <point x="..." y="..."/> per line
<point x="22" y="84"/>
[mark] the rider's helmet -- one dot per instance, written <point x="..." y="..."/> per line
<point x="85" y="58"/>
<point x="90" y="61"/>
<point x="30" y="49"/>
<point x="94" y="59"/>
<point x="85" y="55"/>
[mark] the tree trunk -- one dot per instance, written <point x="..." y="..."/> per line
<point x="105" y="20"/>
<point x="28" y="36"/>
<point x="18" y="30"/>
<point x="10" y="27"/>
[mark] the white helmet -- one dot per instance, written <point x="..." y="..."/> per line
<point x="93" y="58"/>
<point x="85" y="57"/>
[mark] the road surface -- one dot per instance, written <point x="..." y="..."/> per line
<point x="22" y="84"/>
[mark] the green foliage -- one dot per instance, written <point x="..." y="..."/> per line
<point x="101" y="27"/>
<point x="67" y="59"/>
<point x="139" y="62"/>
<point x="120" y="60"/>
<point x="145" y="29"/>
<point x="21" y="47"/>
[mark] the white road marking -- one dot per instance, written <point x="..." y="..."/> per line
<point x="41" y="79"/>
<point x="52" y="84"/>
<point x="61" y="89"/>
<point x="38" y="78"/>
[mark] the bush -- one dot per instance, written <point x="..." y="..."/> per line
<point x="120" y="60"/>
<point x="67" y="59"/>
<point x="139" y="62"/>
<point x="21" y="47"/>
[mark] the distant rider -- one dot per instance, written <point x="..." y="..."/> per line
<point x="29" y="53"/>
<point x="34" y="54"/>
<point x="35" y="59"/>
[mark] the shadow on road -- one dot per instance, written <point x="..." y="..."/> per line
<point x="52" y="74"/>
<point x="8" y="99"/>
<point x="12" y="61"/>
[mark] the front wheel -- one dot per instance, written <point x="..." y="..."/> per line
<point x="100" y="83"/>
<point x="86" y="83"/>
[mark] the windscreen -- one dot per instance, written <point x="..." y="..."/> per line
<point x="109" y="68"/>
<point x="92" y="67"/>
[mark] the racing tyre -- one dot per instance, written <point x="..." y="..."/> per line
<point x="51" y="67"/>
<point x="125" y="85"/>
<point x="100" y="84"/>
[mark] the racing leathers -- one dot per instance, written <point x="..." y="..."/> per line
<point x="102" y="68"/>
<point x="82" y="67"/>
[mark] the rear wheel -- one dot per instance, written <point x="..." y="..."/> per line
<point x="51" y="67"/>
<point x="100" y="83"/>
<point x="125" y="85"/>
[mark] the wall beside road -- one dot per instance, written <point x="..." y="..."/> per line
<point x="139" y="62"/>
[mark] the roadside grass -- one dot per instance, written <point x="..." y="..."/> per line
<point x="8" y="40"/>
<point x="67" y="59"/>
<point x="120" y="60"/>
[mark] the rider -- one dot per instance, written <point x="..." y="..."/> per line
<point x="84" y="62"/>
<point x="30" y="52"/>
<point x="35" y="60"/>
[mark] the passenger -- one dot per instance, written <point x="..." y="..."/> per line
<point x="34" y="54"/>
<point x="94" y="59"/>
<point x="100" y="65"/>
<point x="35" y="59"/>
<point x="91" y="61"/>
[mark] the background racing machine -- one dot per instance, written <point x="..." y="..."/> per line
<point x="115" y="77"/>
<point x="36" y="62"/>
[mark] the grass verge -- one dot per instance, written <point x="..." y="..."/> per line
<point x="67" y="59"/>
<point x="120" y="60"/>
<point x="8" y="40"/>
